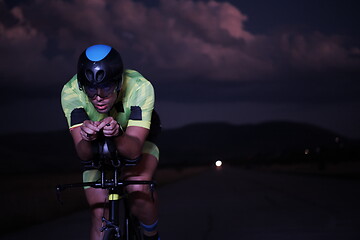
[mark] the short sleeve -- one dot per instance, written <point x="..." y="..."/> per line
<point x="72" y="106"/>
<point x="142" y="105"/>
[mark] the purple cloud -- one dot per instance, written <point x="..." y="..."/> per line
<point x="200" y="39"/>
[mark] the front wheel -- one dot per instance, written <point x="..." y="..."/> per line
<point x="134" y="229"/>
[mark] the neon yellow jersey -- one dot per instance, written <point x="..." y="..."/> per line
<point x="133" y="106"/>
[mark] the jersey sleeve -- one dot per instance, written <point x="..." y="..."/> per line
<point x="72" y="106"/>
<point x="142" y="106"/>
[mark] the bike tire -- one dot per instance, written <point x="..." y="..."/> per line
<point x="110" y="234"/>
<point x="135" y="232"/>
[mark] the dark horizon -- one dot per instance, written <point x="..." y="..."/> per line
<point x="189" y="125"/>
<point x="268" y="143"/>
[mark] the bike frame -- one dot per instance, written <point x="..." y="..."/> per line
<point x="116" y="194"/>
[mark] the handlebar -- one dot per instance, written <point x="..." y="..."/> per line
<point x="106" y="185"/>
<point x="107" y="156"/>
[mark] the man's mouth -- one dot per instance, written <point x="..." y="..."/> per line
<point x="101" y="107"/>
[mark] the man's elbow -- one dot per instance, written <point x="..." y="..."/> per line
<point x="84" y="156"/>
<point x="135" y="154"/>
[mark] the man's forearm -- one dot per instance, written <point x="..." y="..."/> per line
<point x="128" y="146"/>
<point x="84" y="150"/>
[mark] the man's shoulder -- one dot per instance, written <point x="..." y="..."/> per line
<point x="71" y="84"/>
<point x="130" y="73"/>
<point x="134" y="77"/>
<point x="133" y="80"/>
<point x="71" y="90"/>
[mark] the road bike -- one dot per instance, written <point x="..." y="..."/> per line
<point x="118" y="226"/>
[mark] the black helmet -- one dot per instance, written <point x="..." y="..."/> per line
<point x="99" y="65"/>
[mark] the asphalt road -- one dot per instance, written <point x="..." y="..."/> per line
<point x="240" y="204"/>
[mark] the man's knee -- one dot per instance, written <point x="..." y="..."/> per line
<point x="141" y="188"/>
<point x="97" y="201"/>
<point x="97" y="211"/>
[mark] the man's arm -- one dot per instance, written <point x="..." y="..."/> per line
<point x="82" y="137"/>
<point x="83" y="147"/>
<point x="129" y="144"/>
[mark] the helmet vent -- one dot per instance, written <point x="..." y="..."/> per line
<point x="100" y="76"/>
<point x="89" y="75"/>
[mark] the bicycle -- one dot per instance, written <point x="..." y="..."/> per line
<point x="109" y="161"/>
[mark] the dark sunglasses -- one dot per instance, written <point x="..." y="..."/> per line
<point x="102" y="90"/>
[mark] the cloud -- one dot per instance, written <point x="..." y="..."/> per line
<point x="178" y="39"/>
<point x="22" y="48"/>
<point x="199" y="55"/>
<point x="317" y="51"/>
<point x="16" y="40"/>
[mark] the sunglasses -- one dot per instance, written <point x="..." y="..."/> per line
<point x="101" y="90"/>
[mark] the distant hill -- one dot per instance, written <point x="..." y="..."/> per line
<point x="193" y="144"/>
<point x="244" y="144"/>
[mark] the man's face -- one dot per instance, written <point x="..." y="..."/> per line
<point x="102" y="97"/>
<point x="103" y="104"/>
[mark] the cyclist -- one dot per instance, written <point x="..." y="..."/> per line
<point x="104" y="100"/>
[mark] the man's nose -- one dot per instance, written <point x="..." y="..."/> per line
<point x="99" y="95"/>
<point x="100" y="92"/>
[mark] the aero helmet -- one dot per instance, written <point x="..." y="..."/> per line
<point x="98" y="66"/>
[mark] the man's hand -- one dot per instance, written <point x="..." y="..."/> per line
<point x="111" y="128"/>
<point x="89" y="130"/>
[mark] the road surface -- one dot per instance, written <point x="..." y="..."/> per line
<point x="240" y="204"/>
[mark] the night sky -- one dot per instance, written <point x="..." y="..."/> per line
<point x="231" y="61"/>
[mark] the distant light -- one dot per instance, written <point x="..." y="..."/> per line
<point x="218" y="163"/>
<point x="307" y="151"/>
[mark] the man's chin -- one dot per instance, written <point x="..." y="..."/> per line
<point x="104" y="110"/>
